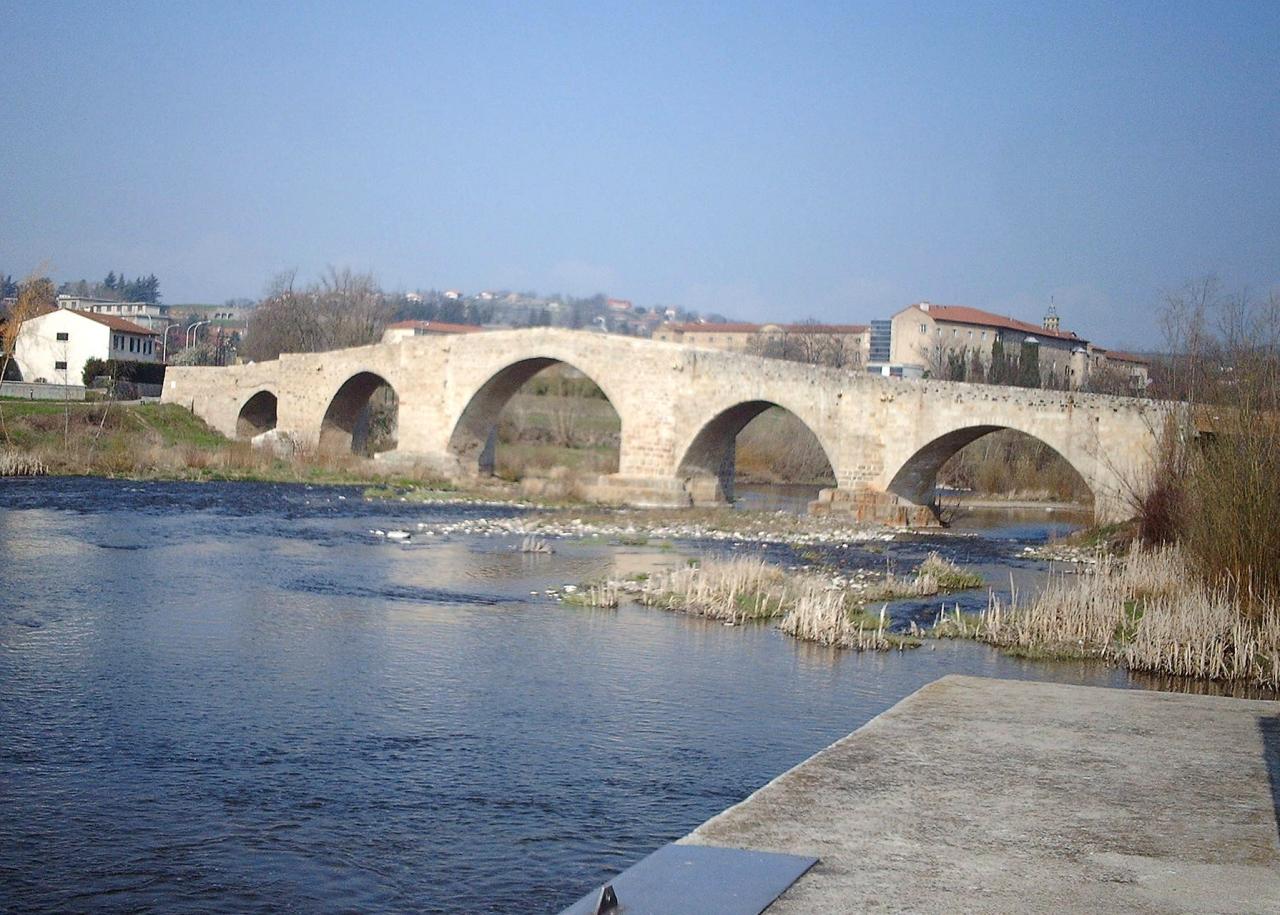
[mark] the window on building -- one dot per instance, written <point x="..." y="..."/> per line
<point x="924" y="329"/>
<point x="60" y="366"/>
<point x="133" y="344"/>
<point x="64" y="336"/>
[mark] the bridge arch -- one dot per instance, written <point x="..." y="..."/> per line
<point x="708" y="463"/>
<point x="474" y="438"/>
<point x="346" y="425"/>
<point x="257" y="415"/>
<point x="916" y="479"/>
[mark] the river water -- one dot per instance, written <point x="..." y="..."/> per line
<point x="234" y="698"/>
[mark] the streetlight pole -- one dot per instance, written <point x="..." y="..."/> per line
<point x="190" y="338"/>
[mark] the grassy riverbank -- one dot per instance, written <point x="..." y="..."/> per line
<point x="1147" y="611"/>
<point x="162" y="441"/>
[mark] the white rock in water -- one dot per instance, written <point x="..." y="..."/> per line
<point x="397" y="535"/>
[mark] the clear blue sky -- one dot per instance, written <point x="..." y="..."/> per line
<point x="770" y="161"/>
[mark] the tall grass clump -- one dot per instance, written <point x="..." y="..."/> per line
<point x="17" y="464"/>
<point x="825" y="618"/>
<point x="806" y="605"/>
<point x="935" y="575"/>
<point x="1147" y="611"/>
<point x="734" y="590"/>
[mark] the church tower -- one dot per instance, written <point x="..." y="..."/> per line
<point x="1051" y="317"/>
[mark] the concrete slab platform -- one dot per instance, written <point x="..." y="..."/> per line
<point x="980" y="795"/>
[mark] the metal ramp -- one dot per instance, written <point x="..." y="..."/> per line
<point x="696" y="880"/>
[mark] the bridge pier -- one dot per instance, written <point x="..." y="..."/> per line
<point x="446" y="466"/>
<point x="640" y="492"/>
<point x="865" y="504"/>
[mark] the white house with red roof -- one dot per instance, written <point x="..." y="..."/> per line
<point x="54" y="346"/>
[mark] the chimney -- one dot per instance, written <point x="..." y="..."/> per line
<point x="923" y="306"/>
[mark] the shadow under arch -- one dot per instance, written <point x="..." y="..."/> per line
<point x="258" y="415"/>
<point x="475" y="436"/>
<point x="709" y="464"/>
<point x="347" y="421"/>
<point x="917" y="479"/>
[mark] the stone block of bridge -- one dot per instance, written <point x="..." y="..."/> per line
<point x="639" y="492"/>
<point x="863" y="504"/>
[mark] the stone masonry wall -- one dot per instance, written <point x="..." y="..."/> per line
<point x="875" y="430"/>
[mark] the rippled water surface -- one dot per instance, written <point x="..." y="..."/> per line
<point x="231" y="697"/>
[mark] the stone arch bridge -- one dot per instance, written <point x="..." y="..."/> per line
<point x="680" y="410"/>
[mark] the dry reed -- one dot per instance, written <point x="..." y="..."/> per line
<point x="745" y="589"/>
<point x="17" y="464"/>
<point x="822" y="617"/>
<point x="731" y="590"/>
<point x="532" y="543"/>
<point x="1148" y="612"/>
<point x="935" y="575"/>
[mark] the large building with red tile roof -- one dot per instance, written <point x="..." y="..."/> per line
<point x="938" y="339"/>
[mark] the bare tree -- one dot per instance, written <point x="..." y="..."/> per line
<point x="1216" y="488"/>
<point x="36" y="295"/>
<point x="342" y="309"/>
<point x="809" y="342"/>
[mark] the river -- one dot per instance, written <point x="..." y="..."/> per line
<point x="235" y="698"/>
